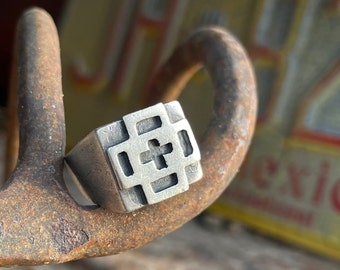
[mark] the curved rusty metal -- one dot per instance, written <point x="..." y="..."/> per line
<point x="39" y="221"/>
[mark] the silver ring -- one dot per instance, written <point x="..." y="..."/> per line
<point x="147" y="157"/>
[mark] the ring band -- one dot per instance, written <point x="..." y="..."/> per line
<point x="147" y="157"/>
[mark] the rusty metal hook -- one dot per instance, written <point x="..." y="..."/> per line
<point x="39" y="221"/>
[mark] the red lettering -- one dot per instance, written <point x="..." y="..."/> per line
<point x="335" y="196"/>
<point x="296" y="175"/>
<point x="321" y="182"/>
<point x="263" y="167"/>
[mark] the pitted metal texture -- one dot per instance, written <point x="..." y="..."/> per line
<point x="152" y="155"/>
<point x="40" y="223"/>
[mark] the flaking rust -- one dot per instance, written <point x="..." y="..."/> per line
<point x="52" y="227"/>
<point x="67" y="236"/>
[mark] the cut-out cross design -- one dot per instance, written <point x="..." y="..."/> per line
<point x="153" y="155"/>
<point x="156" y="154"/>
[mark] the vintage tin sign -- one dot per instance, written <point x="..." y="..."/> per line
<point x="289" y="185"/>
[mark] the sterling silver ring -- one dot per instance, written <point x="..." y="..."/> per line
<point x="147" y="157"/>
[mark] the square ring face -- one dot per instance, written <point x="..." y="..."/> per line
<point x="158" y="156"/>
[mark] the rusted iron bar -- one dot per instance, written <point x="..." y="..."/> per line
<point x="39" y="221"/>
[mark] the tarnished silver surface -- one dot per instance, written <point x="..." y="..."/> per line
<point x="149" y="156"/>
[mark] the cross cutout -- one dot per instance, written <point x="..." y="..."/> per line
<point x="156" y="154"/>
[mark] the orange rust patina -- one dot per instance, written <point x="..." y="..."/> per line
<point x="39" y="221"/>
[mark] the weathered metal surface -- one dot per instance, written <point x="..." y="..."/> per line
<point x="39" y="221"/>
<point x="149" y="156"/>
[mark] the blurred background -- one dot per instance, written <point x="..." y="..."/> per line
<point x="283" y="209"/>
